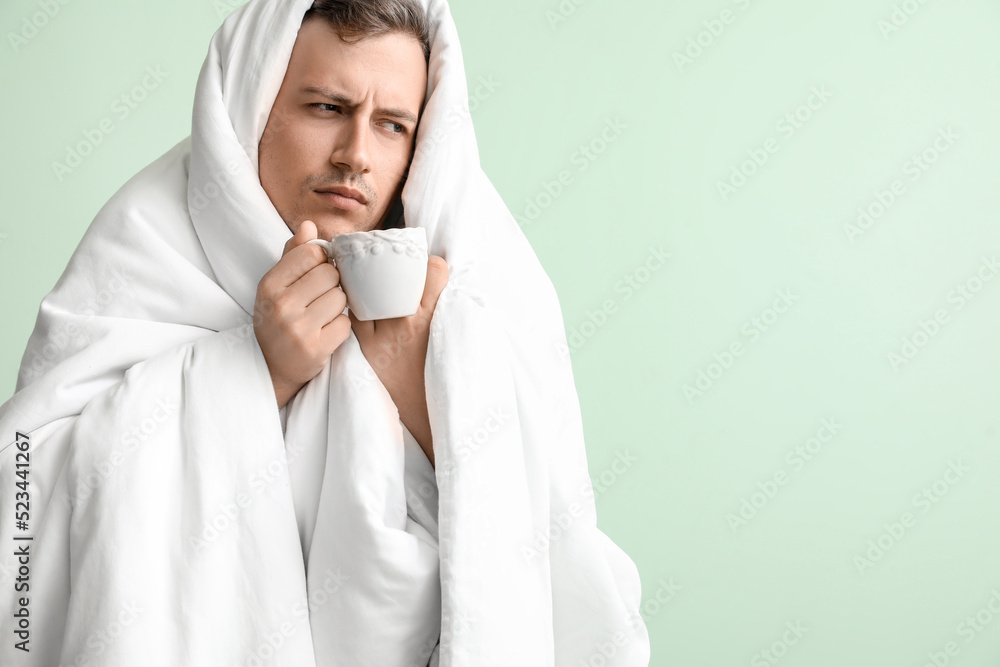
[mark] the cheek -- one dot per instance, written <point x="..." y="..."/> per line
<point x="292" y="147"/>
<point x="393" y="165"/>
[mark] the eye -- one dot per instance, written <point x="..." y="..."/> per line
<point x="398" y="127"/>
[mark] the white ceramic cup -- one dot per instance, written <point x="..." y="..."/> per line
<point x="382" y="272"/>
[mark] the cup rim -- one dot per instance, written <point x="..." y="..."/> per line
<point x="391" y="234"/>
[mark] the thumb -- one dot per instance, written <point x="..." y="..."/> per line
<point x="305" y="233"/>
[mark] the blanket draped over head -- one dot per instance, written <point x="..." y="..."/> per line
<point x="174" y="520"/>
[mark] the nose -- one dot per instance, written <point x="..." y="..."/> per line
<point x="352" y="149"/>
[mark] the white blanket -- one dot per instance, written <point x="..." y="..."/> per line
<point x="174" y="523"/>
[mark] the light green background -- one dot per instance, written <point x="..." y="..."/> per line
<point x="683" y="465"/>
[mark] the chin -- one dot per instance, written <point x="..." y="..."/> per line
<point x="328" y="226"/>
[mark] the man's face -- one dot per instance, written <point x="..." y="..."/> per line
<point x="361" y="138"/>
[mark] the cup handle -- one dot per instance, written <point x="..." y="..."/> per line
<point x="325" y="245"/>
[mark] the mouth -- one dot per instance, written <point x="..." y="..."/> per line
<point x="343" y="198"/>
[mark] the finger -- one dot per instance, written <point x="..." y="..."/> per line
<point x="313" y="284"/>
<point x="336" y="332"/>
<point x="326" y="308"/>
<point x="299" y="261"/>
<point x="437" y="279"/>
<point x="306" y="232"/>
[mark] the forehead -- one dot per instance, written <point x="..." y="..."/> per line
<point x="391" y="67"/>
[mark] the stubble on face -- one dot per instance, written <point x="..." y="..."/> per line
<point x="312" y="143"/>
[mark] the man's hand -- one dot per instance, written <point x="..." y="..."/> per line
<point x="299" y="315"/>
<point x="396" y="349"/>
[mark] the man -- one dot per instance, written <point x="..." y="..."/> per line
<point x="219" y="468"/>
<point x="344" y="109"/>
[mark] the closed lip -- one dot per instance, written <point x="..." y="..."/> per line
<point x="346" y="192"/>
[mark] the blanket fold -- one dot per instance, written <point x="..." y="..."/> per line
<point x="176" y="522"/>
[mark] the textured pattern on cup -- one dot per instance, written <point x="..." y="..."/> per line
<point x="382" y="272"/>
<point x="354" y="246"/>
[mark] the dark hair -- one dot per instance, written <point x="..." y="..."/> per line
<point x="358" y="19"/>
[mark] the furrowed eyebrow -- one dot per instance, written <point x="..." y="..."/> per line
<point x="342" y="100"/>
